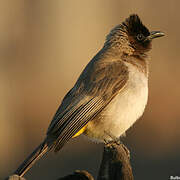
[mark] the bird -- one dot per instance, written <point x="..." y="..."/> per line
<point x="110" y="94"/>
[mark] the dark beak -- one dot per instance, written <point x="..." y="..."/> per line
<point x="155" y="34"/>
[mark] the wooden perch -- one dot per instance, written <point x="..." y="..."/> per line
<point x="115" y="165"/>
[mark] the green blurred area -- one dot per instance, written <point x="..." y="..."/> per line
<point x="44" y="46"/>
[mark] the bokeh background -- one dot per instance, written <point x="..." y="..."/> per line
<point x="44" y="46"/>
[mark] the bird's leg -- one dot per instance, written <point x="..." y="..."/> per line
<point x="116" y="141"/>
<point x="113" y="139"/>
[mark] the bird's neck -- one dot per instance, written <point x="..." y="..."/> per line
<point x="140" y="61"/>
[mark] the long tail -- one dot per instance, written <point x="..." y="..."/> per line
<point x="34" y="156"/>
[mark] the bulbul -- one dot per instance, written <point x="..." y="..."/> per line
<point x="110" y="94"/>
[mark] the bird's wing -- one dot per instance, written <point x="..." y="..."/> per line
<point x="95" y="88"/>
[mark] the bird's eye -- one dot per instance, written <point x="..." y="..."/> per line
<point x="140" y="37"/>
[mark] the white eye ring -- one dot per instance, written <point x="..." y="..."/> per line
<point x="140" y="37"/>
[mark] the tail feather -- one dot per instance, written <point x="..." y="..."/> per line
<point x="34" y="156"/>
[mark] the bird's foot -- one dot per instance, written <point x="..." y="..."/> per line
<point x="117" y="141"/>
<point x="113" y="139"/>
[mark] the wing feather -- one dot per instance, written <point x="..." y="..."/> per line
<point x="73" y="125"/>
<point x="95" y="88"/>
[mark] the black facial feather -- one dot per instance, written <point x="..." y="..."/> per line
<point x="137" y="33"/>
<point x="129" y="34"/>
<point x="135" y="26"/>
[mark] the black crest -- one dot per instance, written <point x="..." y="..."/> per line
<point x="134" y="26"/>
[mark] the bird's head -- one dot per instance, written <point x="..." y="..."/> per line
<point x="131" y="36"/>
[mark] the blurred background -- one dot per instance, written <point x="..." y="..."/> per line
<point x="44" y="46"/>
